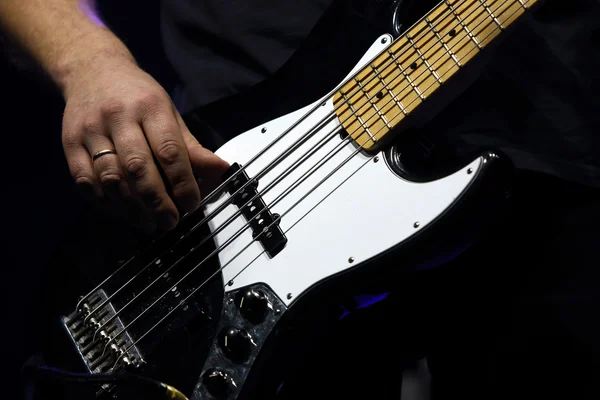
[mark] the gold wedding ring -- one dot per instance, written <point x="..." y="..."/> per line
<point x="103" y="153"/>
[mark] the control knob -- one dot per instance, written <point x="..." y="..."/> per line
<point x="253" y="305"/>
<point x="218" y="383"/>
<point x="236" y="343"/>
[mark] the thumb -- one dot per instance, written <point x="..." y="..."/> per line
<point x="206" y="165"/>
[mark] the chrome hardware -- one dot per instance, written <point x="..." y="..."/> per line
<point x="94" y="349"/>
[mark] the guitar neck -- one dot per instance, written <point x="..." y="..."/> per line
<point x="418" y="63"/>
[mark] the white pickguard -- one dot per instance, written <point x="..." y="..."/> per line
<point x="360" y="211"/>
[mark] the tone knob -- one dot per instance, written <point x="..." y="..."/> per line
<point x="253" y="305"/>
<point x="218" y="383"/>
<point x="235" y="343"/>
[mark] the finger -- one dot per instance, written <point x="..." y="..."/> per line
<point x="80" y="165"/>
<point x="137" y="214"/>
<point x="142" y="174"/>
<point x="166" y="141"/>
<point x="109" y="172"/>
<point x="205" y="164"/>
<point x="106" y="165"/>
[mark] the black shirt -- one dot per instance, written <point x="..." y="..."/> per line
<point x="540" y="91"/>
<point x="219" y="47"/>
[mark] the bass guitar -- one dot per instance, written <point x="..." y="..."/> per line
<point x="331" y="193"/>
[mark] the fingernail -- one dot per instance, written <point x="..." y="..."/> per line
<point x="87" y="191"/>
<point x="114" y="191"/>
<point x="166" y="221"/>
<point x="147" y="227"/>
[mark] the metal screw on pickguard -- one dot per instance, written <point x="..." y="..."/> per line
<point x="470" y="171"/>
<point x="417" y="224"/>
<point x="289" y="296"/>
<point x="230" y="283"/>
<point x="384" y="40"/>
<point x="376" y="159"/>
<point x="263" y="130"/>
<point x="351" y="260"/>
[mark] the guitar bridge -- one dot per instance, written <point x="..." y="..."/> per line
<point x="97" y="349"/>
<point x="264" y="224"/>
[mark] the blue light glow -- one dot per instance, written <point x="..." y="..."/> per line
<point x="364" y="301"/>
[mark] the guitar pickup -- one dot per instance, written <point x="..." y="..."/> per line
<point x="264" y="224"/>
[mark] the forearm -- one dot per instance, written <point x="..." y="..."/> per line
<point x="65" y="37"/>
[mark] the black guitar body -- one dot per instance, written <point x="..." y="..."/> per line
<point x="177" y="351"/>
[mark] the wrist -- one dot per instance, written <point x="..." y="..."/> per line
<point x="83" y="64"/>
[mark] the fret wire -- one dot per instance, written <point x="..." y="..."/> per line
<point x="487" y="36"/>
<point x="412" y="84"/>
<point x="358" y="117"/>
<point x="389" y="89"/>
<point x="483" y="3"/>
<point x="523" y="4"/>
<point x="482" y="22"/>
<point x="462" y="23"/>
<point x="412" y="43"/>
<point x="408" y="78"/>
<point x="443" y="43"/>
<point x="383" y="118"/>
<point x="169" y="313"/>
<point x="471" y="50"/>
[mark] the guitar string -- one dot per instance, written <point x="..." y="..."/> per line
<point x="212" y="276"/>
<point x="276" y="162"/>
<point x="523" y="4"/>
<point x="214" y="233"/>
<point x="433" y="64"/>
<point x="270" y="167"/>
<point x="186" y="235"/>
<point x="272" y="204"/>
<point x="192" y="293"/>
<point x="313" y="167"/>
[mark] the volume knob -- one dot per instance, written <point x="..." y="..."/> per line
<point x="235" y="343"/>
<point x="218" y="383"/>
<point x="253" y="305"/>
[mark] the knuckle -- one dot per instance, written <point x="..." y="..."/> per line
<point x="92" y="126"/>
<point x="153" y="200"/>
<point x="150" y="101"/>
<point x="112" y="108"/>
<point x="168" y="151"/>
<point x="136" y="166"/>
<point x="184" y="187"/>
<point x="110" y="177"/>
<point x="82" y="179"/>
<point x="71" y="141"/>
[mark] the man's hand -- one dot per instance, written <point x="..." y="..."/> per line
<point x="117" y="106"/>
<point x="112" y="105"/>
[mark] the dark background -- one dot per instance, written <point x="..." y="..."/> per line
<point x="39" y="202"/>
<point x="38" y="199"/>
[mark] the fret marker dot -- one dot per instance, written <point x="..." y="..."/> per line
<point x="379" y="95"/>
<point x="413" y="66"/>
<point x="452" y="33"/>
